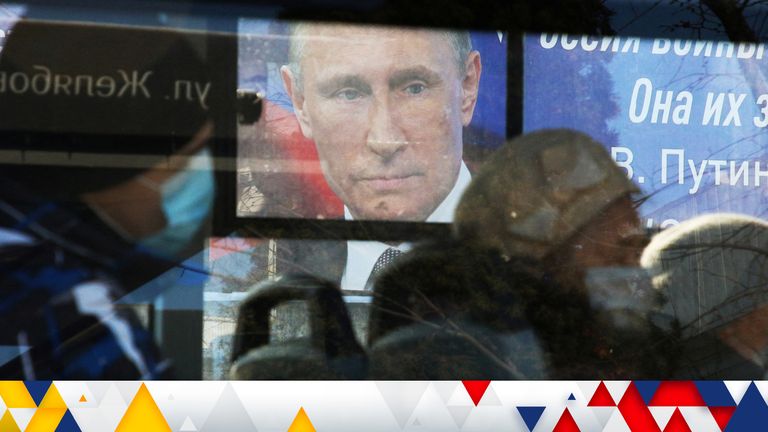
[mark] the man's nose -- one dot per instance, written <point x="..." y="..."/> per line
<point x="385" y="137"/>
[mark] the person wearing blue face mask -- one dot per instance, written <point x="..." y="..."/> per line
<point x="106" y="193"/>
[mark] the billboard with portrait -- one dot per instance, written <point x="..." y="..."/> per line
<point x="365" y="122"/>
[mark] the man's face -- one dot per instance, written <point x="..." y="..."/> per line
<point x="385" y="108"/>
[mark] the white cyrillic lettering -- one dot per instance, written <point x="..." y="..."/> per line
<point x="548" y="41"/>
<point x="746" y="50"/>
<point x="609" y="42"/>
<point x="681" y="115"/>
<point x="62" y="83"/>
<point x="668" y="223"/>
<point x="682" y="47"/>
<point x="742" y="172"/>
<point x="661" y="46"/>
<point x="634" y="43"/>
<point x="105" y="86"/>
<point x="759" y="173"/>
<point x="14" y="81"/>
<point x="177" y="92"/>
<point x="665" y="153"/>
<point x="700" y="46"/>
<point x="567" y="43"/>
<point x="662" y="106"/>
<point x="697" y="175"/>
<point x="733" y="112"/>
<point x="588" y="44"/>
<point x="133" y="83"/>
<point x="88" y="80"/>
<point x="644" y="83"/>
<point x="626" y="163"/>
<point x="202" y="93"/>
<point x="758" y="121"/>
<point x="41" y="82"/>
<point x="713" y="108"/>
<point x="724" y="46"/>
<point x="718" y="164"/>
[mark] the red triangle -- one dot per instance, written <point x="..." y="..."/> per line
<point x="722" y="415"/>
<point x="635" y="412"/>
<point x="677" y="393"/>
<point x="601" y="398"/>
<point x="566" y="423"/>
<point x="677" y="423"/>
<point x="476" y="389"/>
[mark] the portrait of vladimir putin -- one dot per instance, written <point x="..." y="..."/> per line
<point x="386" y="108"/>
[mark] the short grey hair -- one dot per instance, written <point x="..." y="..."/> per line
<point x="460" y="42"/>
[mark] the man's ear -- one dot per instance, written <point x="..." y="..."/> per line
<point x="470" y="85"/>
<point x="297" y="99"/>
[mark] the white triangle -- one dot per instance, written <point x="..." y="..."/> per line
<point x="602" y="414"/>
<point x="588" y="389"/>
<point x="128" y="389"/>
<point x="402" y="398"/>
<point x="459" y="414"/>
<point x="98" y="389"/>
<point x="616" y="389"/>
<point x="490" y="398"/>
<point x="445" y="389"/>
<point x="460" y="397"/>
<point x="112" y="398"/>
<point x="662" y="414"/>
<point x="737" y="389"/>
<point x="188" y="426"/>
<point x="228" y="413"/>
<point x="617" y="423"/>
<point x="2" y="407"/>
<point x="762" y="387"/>
<point x="500" y="34"/>
<point x="22" y="416"/>
<point x="699" y="419"/>
<point x="90" y="419"/>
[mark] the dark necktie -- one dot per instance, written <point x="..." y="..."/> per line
<point x="384" y="260"/>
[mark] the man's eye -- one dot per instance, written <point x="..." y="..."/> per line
<point x="415" y="89"/>
<point x="348" y="94"/>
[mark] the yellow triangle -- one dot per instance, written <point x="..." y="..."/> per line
<point x="46" y="420"/>
<point x="16" y="395"/>
<point x="7" y="424"/>
<point x="143" y="415"/>
<point x="301" y="423"/>
<point x="83" y="399"/>
<point x="52" y="399"/>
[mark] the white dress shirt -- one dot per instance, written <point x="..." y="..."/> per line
<point x="362" y="255"/>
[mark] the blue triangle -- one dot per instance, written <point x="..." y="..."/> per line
<point x="647" y="389"/>
<point x="530" y="415"/>
<point x="751" y="414"/>
<point x="37" y="389"/>
<point x="571" y="397"/>
<point x="715" y="393"/>
<point x="68" y="424"/>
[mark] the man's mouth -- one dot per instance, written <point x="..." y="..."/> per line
<point x="389" y="183"/>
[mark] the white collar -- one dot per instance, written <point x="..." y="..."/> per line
<point x="362" y="255"/>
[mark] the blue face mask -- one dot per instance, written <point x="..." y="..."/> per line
<point x="187" y="200"/>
